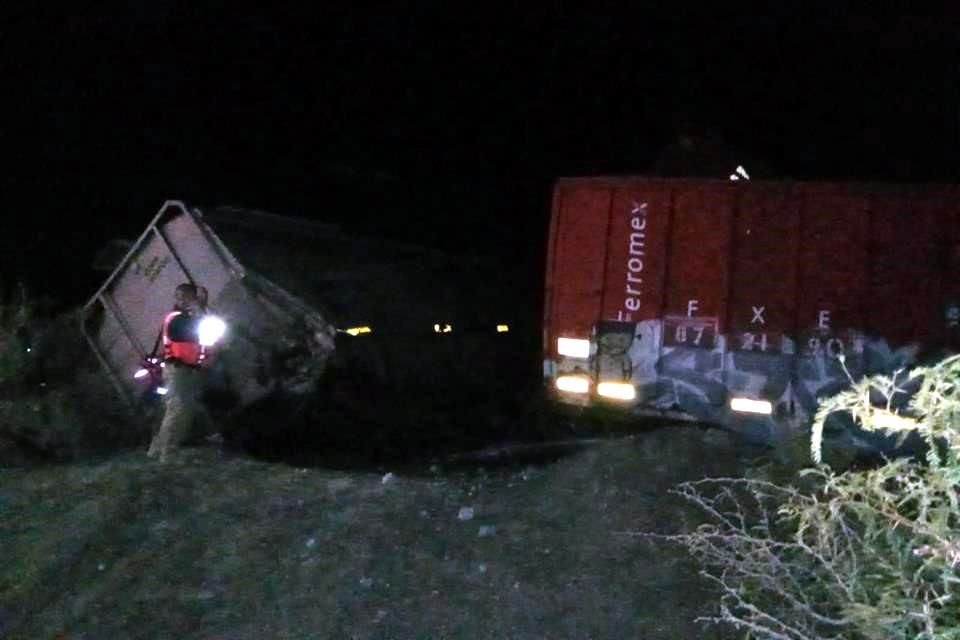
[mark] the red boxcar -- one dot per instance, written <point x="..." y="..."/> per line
<point x="729" y="302"/>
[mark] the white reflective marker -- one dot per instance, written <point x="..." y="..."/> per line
<point x="892" y="421"/>
<point x="748" y="405"/>
<point x="161" y="391"/>
<point x="211" y="329"/>
<point x="573" y="384"/>
<point x="617" y="390"/>
<point x="573" y="347"/>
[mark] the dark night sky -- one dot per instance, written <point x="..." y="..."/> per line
<point x="429" y="122"/>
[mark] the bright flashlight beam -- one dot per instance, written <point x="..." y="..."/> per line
<point x="211" y="330"/>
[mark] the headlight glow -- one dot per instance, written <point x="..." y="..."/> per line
<point x="211" y="329"/>
<point x="573" y="384"/>
<point x="617" y="390"/>
<point x="355" y="331"/>
<point x="748" y="405"/>
<point x="573" y="347"/>
<point x="502" y="328"/>
<point x="161" y="391"/>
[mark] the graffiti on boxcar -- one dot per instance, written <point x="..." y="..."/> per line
<point x="672" y="374"/>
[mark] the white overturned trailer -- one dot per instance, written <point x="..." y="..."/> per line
<point x="301" y="300"/>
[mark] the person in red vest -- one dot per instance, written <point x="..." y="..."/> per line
<point x="183" y="355"/>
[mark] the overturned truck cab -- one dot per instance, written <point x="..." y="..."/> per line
<point x="315" y="316"/>
<point x="741" y="304"/>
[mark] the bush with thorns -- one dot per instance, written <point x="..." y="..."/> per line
<point x="871" y="553"/>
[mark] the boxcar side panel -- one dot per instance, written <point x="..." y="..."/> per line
<point x="578" y="261"/>
<point x="636" y="254"/>
<point x="700" y="291"/>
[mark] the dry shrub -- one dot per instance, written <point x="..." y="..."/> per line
<point x="54" y="400"/>
<point x="871" y="553"/>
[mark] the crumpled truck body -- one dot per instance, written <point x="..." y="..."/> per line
<point x="289" y="290"/>
<point x="122" y="320"/>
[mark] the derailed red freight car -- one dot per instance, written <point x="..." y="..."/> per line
<point x="729" y="302"/>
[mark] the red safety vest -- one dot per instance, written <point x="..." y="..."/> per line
<point x="190" y="353"/>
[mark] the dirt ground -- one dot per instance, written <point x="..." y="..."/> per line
<point x="217" y="545"/>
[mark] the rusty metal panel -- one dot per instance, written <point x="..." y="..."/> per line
<point x="832" y="290"/>
<point x="905" y="247"/>
<point x="950" y="286"/>
<point x="636" y="253"/>
<point x="579" y="260"/>
<point x="550" y="283"/>
<point x="944" y="207"/>
<point x="833" y="259"/>
<point x="698" y="259"/>
<point x="763" y="269"/>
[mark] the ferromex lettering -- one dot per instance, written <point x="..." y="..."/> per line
<point x="635" y="256"/>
